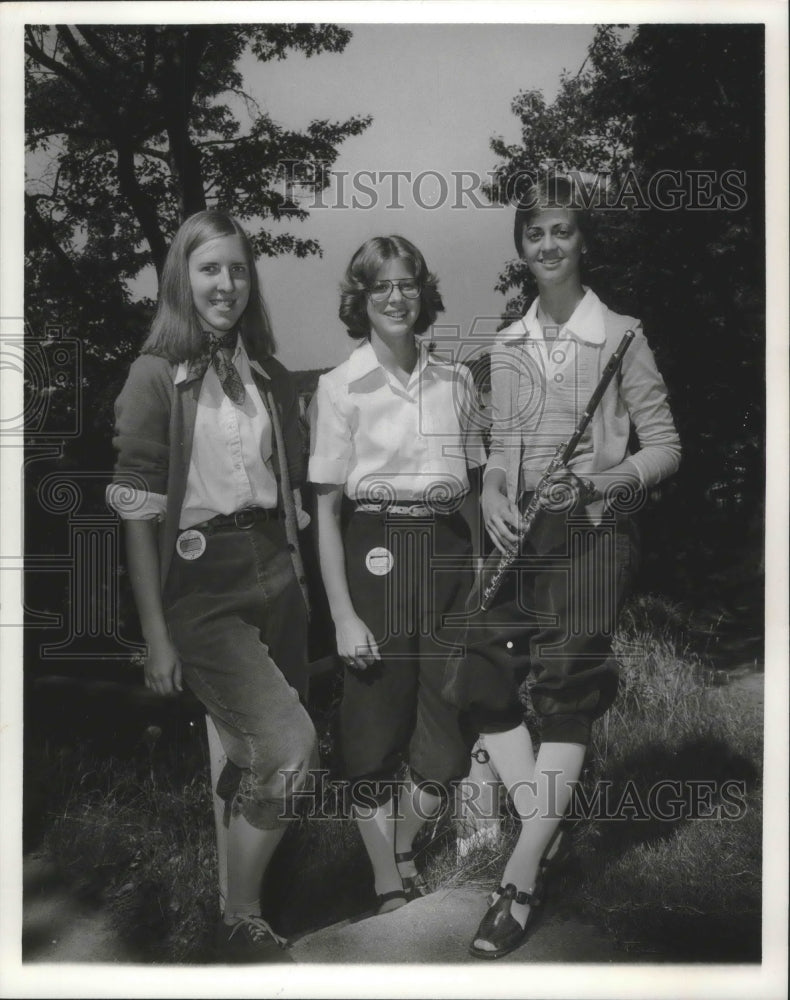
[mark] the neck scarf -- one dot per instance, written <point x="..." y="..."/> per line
<point x="228" y="376"/>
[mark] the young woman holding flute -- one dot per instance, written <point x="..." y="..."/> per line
<point x="554" y="616"/>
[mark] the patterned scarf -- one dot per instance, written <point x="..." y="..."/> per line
<point x="228" y="376"/>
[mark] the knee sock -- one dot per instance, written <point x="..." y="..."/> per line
<point x="377" y="829"/>
<point x="478" y="797"/>
<point x="541" y="803"/>
<point x="415" y="806"/>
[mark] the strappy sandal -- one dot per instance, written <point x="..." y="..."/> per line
<point x="500" y="928"/>
<point x="414" y="886"/>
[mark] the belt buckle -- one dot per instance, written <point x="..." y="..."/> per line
<point x="244" y="519"/>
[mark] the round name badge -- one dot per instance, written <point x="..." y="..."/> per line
<point x="191" y="544"/>
<point x="379" y="561"/>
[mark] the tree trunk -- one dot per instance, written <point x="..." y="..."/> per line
<point x="143" y="207"/>
<point x="182" y="54"/>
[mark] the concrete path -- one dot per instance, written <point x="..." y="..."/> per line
<point x="60" y="927"/>
<point x="439" y="929"/>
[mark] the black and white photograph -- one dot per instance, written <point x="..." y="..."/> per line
<point x="453" y="340"/>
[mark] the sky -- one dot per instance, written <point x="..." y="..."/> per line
<point x="437" y="93"/>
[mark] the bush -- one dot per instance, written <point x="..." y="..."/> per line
<point x="684" y="885"/>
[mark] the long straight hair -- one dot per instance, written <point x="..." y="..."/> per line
<point x="176" y="331"/>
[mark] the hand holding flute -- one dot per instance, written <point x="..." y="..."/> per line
<point x="505" y="524"/>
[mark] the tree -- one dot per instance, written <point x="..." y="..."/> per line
<point x="682" y="103"/>
<point x="140" y="132"/>
<point x="129" y="130"/>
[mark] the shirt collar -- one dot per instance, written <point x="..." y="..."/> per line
<point x="363" y="361"/>
<point x="585" y="324"/>
<point x="183" y="374"/>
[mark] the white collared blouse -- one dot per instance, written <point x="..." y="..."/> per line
<point x="383" y="440"/>
<point x="231" y="462"/>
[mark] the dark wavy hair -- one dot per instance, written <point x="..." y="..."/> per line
<point x="176" y="331"/>
<point x="551" y="191"/>
<point x="361" y="274"/>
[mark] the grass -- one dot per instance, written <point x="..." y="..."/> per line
<point x="135" y="834"/>
<point x="134" y="829"/>
<point x="686" y="886"/>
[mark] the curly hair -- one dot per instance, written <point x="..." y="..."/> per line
<point x="361" y="274"/>
<point x="552" y="191"/>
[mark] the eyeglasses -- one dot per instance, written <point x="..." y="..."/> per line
<point x="381" y="291"/>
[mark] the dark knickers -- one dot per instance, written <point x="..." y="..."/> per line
<point x="551" y="622"/>
<point x="238" y="620"/>
<point x="394" y="710"/>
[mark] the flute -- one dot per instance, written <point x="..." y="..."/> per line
<point x="561" y="457"/>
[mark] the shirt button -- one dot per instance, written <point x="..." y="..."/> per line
<point x="558" y="357"/>
<point x="291" y="547"/>
<point x="558" y="378"/>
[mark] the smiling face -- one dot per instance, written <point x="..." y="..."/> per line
<point x="219" y="275"/>
<point x="552" y="245"/>
<point x="394" y="316"/>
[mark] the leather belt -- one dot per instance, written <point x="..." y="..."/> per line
<point x="243" y="519"/>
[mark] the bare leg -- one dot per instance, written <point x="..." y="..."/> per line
<point x="249" y="852"/>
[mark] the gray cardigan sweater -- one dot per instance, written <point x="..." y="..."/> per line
<point x="155" y="423"/>
<point x="636" y="398"/>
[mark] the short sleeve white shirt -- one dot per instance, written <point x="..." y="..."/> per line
<point x="382" y="439"/>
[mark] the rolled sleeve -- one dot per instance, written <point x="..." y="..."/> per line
<point x="496" y="462"/>
<point x="135" y="505"/>
<point x="330" y="439"/>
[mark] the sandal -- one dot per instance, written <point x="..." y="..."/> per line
<point x="414" y="886"/>
<point x="390" y="897"/>
<point x="500" y="928"/>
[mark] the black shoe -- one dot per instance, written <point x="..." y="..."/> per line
<point x="249" y="940"/>
<point x="501" y="929"/>
<point x="386" y="900"/>
<point x="414" y="886"/>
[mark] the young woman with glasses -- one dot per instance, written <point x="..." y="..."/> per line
<point x="393" y="435"/>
